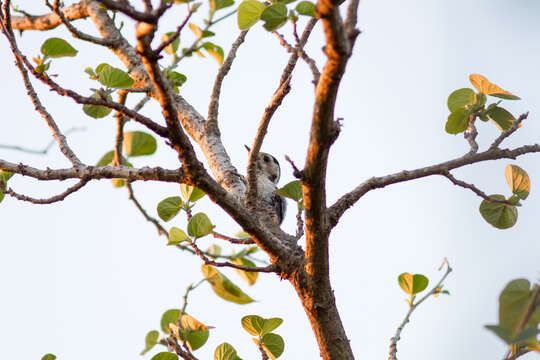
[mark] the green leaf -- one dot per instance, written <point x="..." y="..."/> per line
<point x="138" y="143"/>
<point x="176" y="236"/>
<point x="197" y="339"/>
<point x="177" y="79"/>
<point x="292" y="190"/>
<point x="150" y="340"/>
<point x="225" y="351"/>
<point x="108" y="158"/>
<point x="97" y="111"/>
<point x="169" y="317"/>
<point x="48" y="357"/>
<point x="223" y="287"/>
<point x="169" y="207"/>
<point x="199" y="225"/>
<point x="274" y="16"/>
<point x="526" y="335"/>
<point x="501" y="117"/>
<point x="460" y="99"/>
<point x="458" y="121"/>
<point x="513" y="303"/>
<point x="412" y="284"/>
<point x="165" y="356"/>
<point x="115" y="78"/>
<point x="249" y="276"/>
<point x="518" y="180"/>
<point x="215" y="51"/>
<point x="102" y="67"/>
<point x="271" y="324"/>
<point x="253" y="324"/>
<point x="249" y="12"/>
<point x="172" y="47"/>
<point x="56" y="47"/>
<point x="306" y="8"/>
<point x="273" y="345"/>
<point x="501" y="332"/>
<point x="2" y="195"/>
<point x="216" y="5"/>
<point x="191" y="193"/>
<point x="501" y="216"/>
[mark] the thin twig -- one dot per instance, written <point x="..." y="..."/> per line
<point x="435" y="290"/>
<point x="508" y="132"/>
<point x="233" y="240"/>
<point x="470" y="135"/>
<point x="296" y="172"/>
<point x="176" y="34"/>
<point x="46" y="149"/>
<point x="50" y="200"/>
<point x="299" y="223"/>
<point x="207" y="261"/>
<point x="120" y="121"/>
<point x="213" y="107"/>
<point x="473" y="188"/>
<point x="300" y="51"/>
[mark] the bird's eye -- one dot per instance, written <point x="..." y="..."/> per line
<point x="266" y="159"/>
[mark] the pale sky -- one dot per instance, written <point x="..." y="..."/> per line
<point x="87" y="278"/>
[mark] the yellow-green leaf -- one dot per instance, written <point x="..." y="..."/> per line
<point x="249" y="276"/>
<point x="518" y="180"/>
<point x="176" y="236"/>
<point x="191" y="193"/>
<point x="485" y="86"/>
<point x="249" y="12"/>
<point x="200" y="225"/>
<point x="150" y="340"/>
<point x="138" y="143"/>
<point x="172" y="47"/>
<point x="273" y="345"/>
<point x="168" y="208"/>
<point x="223" y="287"/>
<point x="412" y="284"/>
<point x="56" y="47"/>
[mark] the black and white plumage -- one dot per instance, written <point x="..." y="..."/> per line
<point x="268" y="174"/>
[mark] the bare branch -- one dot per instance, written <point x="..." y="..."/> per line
<point x="96" y="172"/>
<point x="435" y="290"/>
<point x="275" y="102"/>
<point x="72" y="29"/>
<point x="57" y="134"/>
<point x="120" y="121"/>
<point x="43" y="151"/>
<point x="470" y="134"/>
<point x="233" y="240"/>
<point x="50" y="200"/>
<point x="213" y="107"/>
<point x="516" y="124"/>
<point x="49" y="21"/>
<point x="160" y="229"/>
<point x="150" y="16"/>
<point x="473" y="188"/>
<point x="300" y="51"/>
<point x="349" y="199"/>
<point x="176" y="34"/>
<point x="299" y="223"/>
<point x="267" y="269"/>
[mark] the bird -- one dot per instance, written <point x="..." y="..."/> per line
<point x="268" y="175"/>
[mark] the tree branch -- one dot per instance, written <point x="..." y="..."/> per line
<point x="471" y="187"/>
<point x="50" y="200"/>
<point x="346" y="201"/>
<point x="297" y="49"/>
<point x="508" y="132"/>
<point x="49" y="21"/>
<point x="433" y="291"/>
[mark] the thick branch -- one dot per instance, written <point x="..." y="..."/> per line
<point x="49" y="21"/>
<point x="349" y="199"/>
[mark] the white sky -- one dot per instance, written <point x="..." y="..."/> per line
<point x="88" y="277"/>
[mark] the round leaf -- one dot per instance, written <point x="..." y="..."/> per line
<point x="199" y="225"/>
<point x="169" y="317"/>
<point x="271" y="324"/>
<point x="292" y="190"/>
<point x="115" y="78"/>
<point x="225" y="351"/>
<point x="169" y="207"/>
<point x="273" y="345"/>
<point x="501" y="216"/>
<point x="97" y="111"/>
<point x="176" y="236"/>
<point x="306" y="8"/>
<point x="460" y="98"/>
<point x="253" y="324"/>
<point x="458" y="121"/>
<point x="518" y="180"/>
<point x="274" y="16"/>
<point x="165" y="356"/>
<point x="150" y="340"/>
<point x="48" y="357"/>
<point x="501" y="117"/>
<point x="485" y="86"/>
<point x="197" y="339"/>
<point x="137" y="143"/>
<point x="223" y="287"/>
<point x="249" y="12"/>
<point x="56" y="47"/>
<point x="412" y="284"/>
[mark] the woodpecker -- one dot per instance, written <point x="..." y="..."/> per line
<point x="268" y="174"/>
